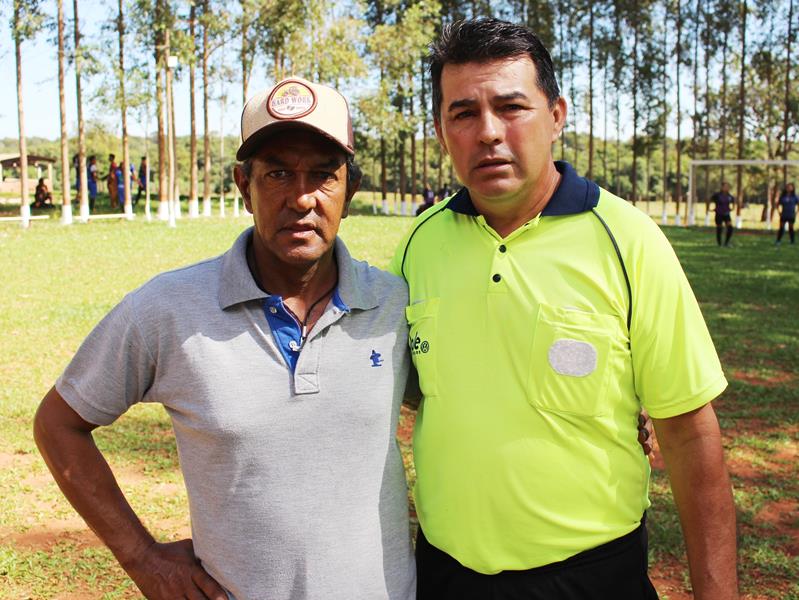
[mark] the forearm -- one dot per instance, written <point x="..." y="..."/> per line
<point x="703" y="496"/>
<point x="88" y="483"/>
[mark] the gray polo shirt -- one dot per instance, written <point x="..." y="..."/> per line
<point x="295" y="481"/>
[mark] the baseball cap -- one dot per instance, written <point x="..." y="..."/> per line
<point x="295" y="102"/>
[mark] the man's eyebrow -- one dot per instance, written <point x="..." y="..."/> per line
<point x="510" y="96"/>
<point x="467" y="102"/>
<point x="324" y="163"/>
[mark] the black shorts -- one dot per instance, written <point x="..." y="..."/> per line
<point x="614" y="571"/>
<point x="791" y="220"/>
<point x="723" y="219"/>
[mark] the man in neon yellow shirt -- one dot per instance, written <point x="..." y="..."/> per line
<point x="544" y="313"/>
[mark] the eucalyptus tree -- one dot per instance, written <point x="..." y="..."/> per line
<point x="192" y="60"/>
<point x="26" y="22"/>
<point x="123" y="107"/>
<point x="66" y="201"/>
<point x="789" y="108"/>
<point x="744" y="12"/>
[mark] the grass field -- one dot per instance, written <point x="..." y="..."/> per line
<point x="59" y="281"/>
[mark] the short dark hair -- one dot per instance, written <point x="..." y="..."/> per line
<point x="484" y="40"/>
<point x="354" y="172"/>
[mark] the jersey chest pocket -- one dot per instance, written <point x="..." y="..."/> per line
<point x="422" y="320"/>
<point x="570" y="361"/>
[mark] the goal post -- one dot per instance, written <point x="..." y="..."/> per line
<point x="731" y="163"/>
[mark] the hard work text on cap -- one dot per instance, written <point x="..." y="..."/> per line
<point x="291" y="100"/>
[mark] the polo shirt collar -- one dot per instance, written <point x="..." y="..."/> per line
<point x="573" y="195"/>
<point x="236" y="283"/>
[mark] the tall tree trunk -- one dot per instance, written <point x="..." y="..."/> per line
<point x="636" y="36"/>
<point x="739" y="197"/>
<point x="618" y="66"/>
<point x="413" y="157"/>
<point x="173" y="199"/>
<point x="573" y="95"/>
<point x="23" y="146"/>
<point x="425" y="182"/>
<point x="678" y="145"/>
<point x="698" y="11"/>
<point x="123" y="106"/>
<point x="723" y="107"/>
<point x="160" y="68"/>
<point x="66" y="200"/>
<point x="665" y="117"/>
<point x="193" y="208"/>
<point x="383" y="174"/>
<point x="244" y="56"/>
<point x="789" y="41"/>
<point x="206" y="134"/>
<point x="708" y="105"/>
<point x="590" y="173"/>
<point x="83" y="186"/>
<point x="605" y="124"/>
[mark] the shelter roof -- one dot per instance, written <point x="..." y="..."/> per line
<point x="12" y="160"/>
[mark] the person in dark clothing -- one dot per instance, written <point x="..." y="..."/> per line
<point x="428" y="197"/>
<point x="142" y="179"/>
<point x="44" y="199"/>
<point x="788" y="202"/>
<point x="724" y="202"/>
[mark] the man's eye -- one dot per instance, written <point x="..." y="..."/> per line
<point x="325" y="176"/>
<point x="463" y="115"/>
<point x="512" y="107"/>
<point x="278" y="174"/>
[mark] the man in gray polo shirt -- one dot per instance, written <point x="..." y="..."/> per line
<point x="282" y="365"/>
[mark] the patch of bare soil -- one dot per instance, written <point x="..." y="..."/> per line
<point x="783" y="515"/>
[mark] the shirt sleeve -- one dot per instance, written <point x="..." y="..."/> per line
<point x="111" y="371"/>
<point x="675" y="363"/>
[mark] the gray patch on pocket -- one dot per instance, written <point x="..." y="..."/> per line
<point x="572" y="357"/>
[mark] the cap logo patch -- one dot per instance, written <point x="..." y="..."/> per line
<point x="291" y="100"/>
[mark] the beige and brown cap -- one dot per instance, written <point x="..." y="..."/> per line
<point x="295" y="102"/>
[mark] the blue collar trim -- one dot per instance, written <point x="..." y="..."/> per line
<point x="573" y="195"/>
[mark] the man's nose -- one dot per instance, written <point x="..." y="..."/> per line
<point x="303" y="195"/>
<point x="490" y="128"/>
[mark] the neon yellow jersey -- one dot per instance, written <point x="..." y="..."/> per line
<point x="525" y="443"/>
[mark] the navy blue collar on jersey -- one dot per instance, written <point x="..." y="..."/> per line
<point x="573" y="195"/>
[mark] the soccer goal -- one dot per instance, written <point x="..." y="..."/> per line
<point x="706" y="163"/>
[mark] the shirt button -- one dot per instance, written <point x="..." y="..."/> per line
<point x="293" y="346"/>
<point x="497" y="277"/>
<point x="272" y="310"/>
<point x="502" y="248"/>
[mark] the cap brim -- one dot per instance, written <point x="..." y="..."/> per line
<point x="249" y="147"/>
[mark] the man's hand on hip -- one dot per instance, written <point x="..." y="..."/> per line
<point x="168" y="571"/>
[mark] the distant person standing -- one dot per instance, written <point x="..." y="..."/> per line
<point x="428" y="199"/>
<point x="119" y="176"/>
<point x="76" y="164"/>
<point x="788" y="202"/>
<point x="723" y="201"/>
<point x="91" y="181"/>
<point x="111" y="181"/>
<point x="142" y="179"/>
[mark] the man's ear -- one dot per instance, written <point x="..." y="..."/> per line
<point x="559" y="113"/>
<point x="440" y="136"/>
<point x="244" y="186"/>
<point x="351" y="189"/>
